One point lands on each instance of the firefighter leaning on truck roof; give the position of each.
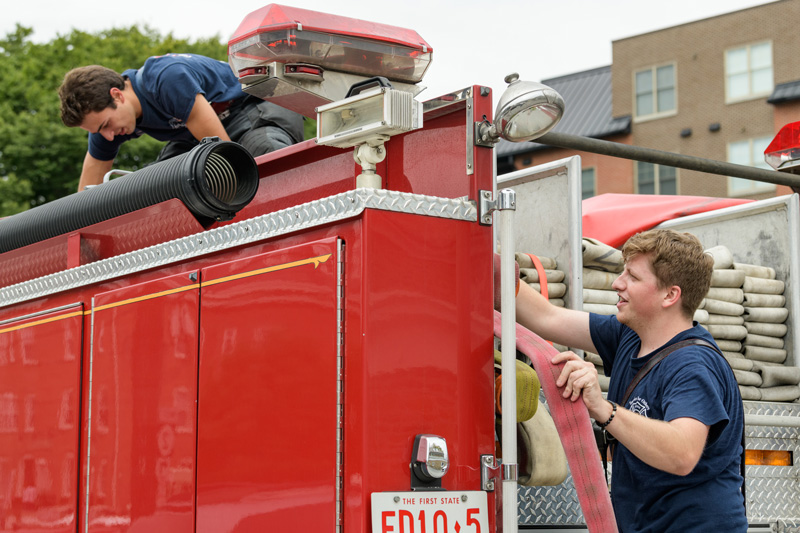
(180, 98)
(678, 454)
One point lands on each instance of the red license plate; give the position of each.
(430, 512)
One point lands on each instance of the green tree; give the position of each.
(40, 158)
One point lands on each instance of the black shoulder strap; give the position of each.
(657, 359)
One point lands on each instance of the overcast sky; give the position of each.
(473, 41)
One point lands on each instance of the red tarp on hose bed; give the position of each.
(613, 218)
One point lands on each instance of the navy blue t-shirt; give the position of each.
(166, 87)
(694, 382)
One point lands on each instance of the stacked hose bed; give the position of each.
(744, 311)
(746, 315)
(553, 284)
(602, 264)
(214, 180)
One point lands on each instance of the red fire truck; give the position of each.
(301, 342)
(262, 345)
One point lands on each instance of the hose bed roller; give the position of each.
(214, 180)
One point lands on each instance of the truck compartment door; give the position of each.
(40, 362)
(268, 435)
(141, 405)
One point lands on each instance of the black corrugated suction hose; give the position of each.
(214, 180)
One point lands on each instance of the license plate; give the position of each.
(430, 512)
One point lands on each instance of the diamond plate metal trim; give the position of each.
(317, 213)
(771, 493)
(555, 506)
(770, 434)
(789, 525)
(772, 490)
(771, 408)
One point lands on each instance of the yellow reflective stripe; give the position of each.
(145, 297)
(316, 261)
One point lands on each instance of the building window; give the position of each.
(656, 179)
(587, 183)
(748, 72)
(655, 91)
(749, 152)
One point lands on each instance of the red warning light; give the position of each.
(784, 150)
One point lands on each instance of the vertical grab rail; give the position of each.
(506, 204)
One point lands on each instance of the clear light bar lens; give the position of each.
(347, 54)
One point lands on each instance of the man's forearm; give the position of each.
(557, 324)
(203, 121)
(93, 171)
(674, 447)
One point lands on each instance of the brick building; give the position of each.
(718, 88)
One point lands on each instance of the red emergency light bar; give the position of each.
(293, 35)
(784, 150)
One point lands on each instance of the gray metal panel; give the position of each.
(765, 232)
(788, 526)
(317, 213)
(552, 506)
(547, 220)
(557, 529)
(779, 409)
(772, 491)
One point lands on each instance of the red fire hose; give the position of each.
(574, 429)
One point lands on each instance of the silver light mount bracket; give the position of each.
(506, 199)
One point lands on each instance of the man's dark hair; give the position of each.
(86, 90)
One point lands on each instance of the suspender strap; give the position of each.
(657, 359)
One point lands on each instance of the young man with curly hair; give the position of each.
(676, 464)
(180, 98)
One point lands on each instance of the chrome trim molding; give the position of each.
(87, 499)
(42, 313)
(340, 288)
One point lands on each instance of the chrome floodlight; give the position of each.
(526, 111)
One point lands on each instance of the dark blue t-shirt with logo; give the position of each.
(166, 87)
(694, 382)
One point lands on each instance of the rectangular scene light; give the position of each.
(369, 117)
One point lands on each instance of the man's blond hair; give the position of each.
(676, 259)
